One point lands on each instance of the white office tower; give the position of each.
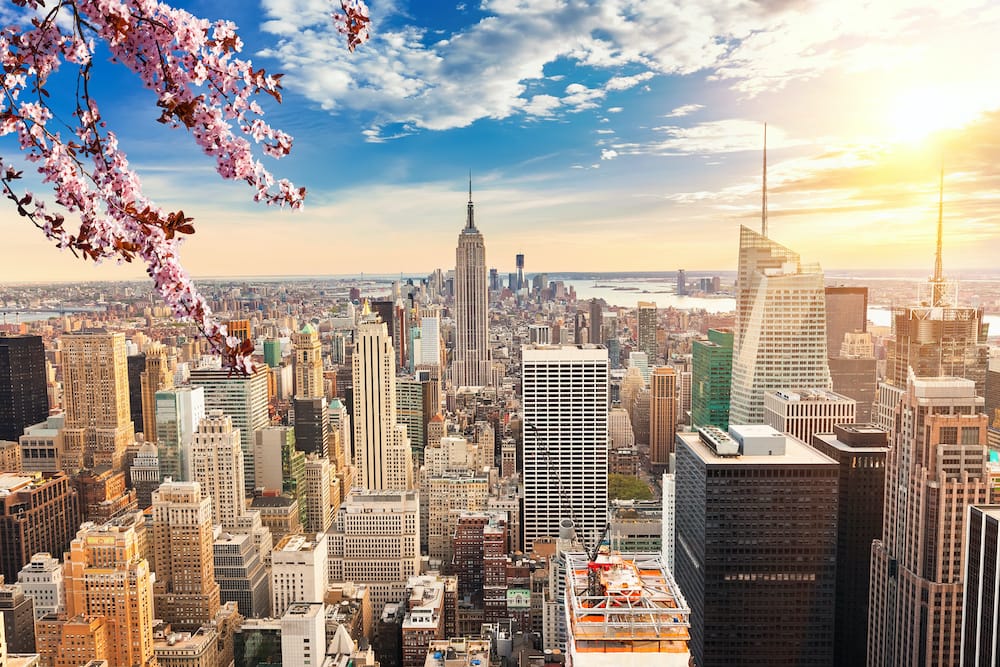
(780, 337)
(319, 474)
(565, 436)
(472, 366)
(178, 413)
(303, 634)
(381, 446)
(298, 571)
(669, 518)
(375, 540)
(42, 581)
(430, 337)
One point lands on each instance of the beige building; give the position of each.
(319, 513)
(803, 412)
(298, 571)
(308, 363)
(187, 594)
(184, 649)
(217, 465)
(157, 375)
(43, 448)
(447, 496)
(109, 583)
(662, 415)
(95, 393)
(471, 366)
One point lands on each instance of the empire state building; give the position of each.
(471, 365)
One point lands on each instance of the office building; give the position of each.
(780, 337)
(375, 540)
(217, 467)
(472, 364)
(312, 425)
(756, 544)
(853, 372)
(106, 578)
(565, 440)
(187, 649)
(43, 448)
(279, 514)
(144, 474)
(178, 413)
(803, 412)
(156, 376)
(42, 581)
(381, 446)
(712, 379)
(308, 363)
(646, 325)
(186, 593)
(241, 397)
(298, 571)
(24, 398)
(136, 364)
(95, 385)
(240, 329)
(981, 608)
(644, 620)
(303, 634)
(241, 575)
(319, 474)
(860, 451)
(936, 466)
(17, 610)
(596, 322)
(37, 513)
(663, 406)
(846, 312)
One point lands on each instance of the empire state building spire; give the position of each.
(472, 365)
(470, 222)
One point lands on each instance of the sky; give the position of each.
(601, 135)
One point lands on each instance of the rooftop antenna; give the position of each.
(469, 221)
(763, 191)
(937, 282)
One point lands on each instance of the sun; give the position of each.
(917, 113)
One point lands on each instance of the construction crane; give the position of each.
(594, 568)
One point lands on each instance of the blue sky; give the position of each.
(601, 135)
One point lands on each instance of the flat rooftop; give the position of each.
(796, 453)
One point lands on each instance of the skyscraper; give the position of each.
(24, 399)
(756, 544)
(981, 610)
(565, 436)
(156, 375)
(596, 322)
(780, 337)
(186, 593)
(36, 514)
(936, 466)
(178, 413)
(106, 577)
(381, 446)
(95, 393)
(846, 312)
(217, 466)
(646, 330)
(662, 415)
(472, 365)
(242, 397)
(308, 363)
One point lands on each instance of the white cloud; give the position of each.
(541, 105)
(684, 110)
(721, 136)
(615, 109)
(626, 82)
(609, 154)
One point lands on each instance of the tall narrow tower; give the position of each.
(155, 377)
(471, 366)
(381, 446)
(308, 363)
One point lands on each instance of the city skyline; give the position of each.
(647, 133)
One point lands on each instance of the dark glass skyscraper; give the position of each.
(23, 397)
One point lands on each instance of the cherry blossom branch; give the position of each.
(200, 83)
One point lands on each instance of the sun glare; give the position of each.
(919, 112)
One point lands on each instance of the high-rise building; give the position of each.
(662, 415)
(178, 413)
(780, 337)
(303, 634)
(644, 620)
(272, 352)
(565, 436)
(366, 524)
(596, 322)
(17, 612)
(156, 376)
(242, 397)
(681, 289)
(319, 473)
(186, 593)
(756, 544)
(312, 425)
(415, 405)
(646, 325)
(240, 329)
(935, 467)
(144, 474)
(24, 398)
(217, 466)
(42, 581)
(860, 451)
(241, 575)
(308, 363)
(802, 412)
(381, 446)
(106, 577)
(472, 365)
(298, 570)
(846, 312)
(981, 608)
(854, 372)
(96, 397)
(36, 514)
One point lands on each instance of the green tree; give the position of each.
(625, 487)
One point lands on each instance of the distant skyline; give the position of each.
(600, 134)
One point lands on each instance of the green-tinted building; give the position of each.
(272, 352)
(293, 473)
(711, 379)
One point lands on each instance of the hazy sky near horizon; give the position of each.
(601, 135)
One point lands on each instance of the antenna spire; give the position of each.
(470, 222)
(937, 282)
(763, 191)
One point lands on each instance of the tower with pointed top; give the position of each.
(471, 365)
(308, 363)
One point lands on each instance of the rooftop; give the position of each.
(796, 453)
(808, 395)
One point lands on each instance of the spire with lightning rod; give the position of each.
(763, 191)
(469, 221)
(938, 282)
